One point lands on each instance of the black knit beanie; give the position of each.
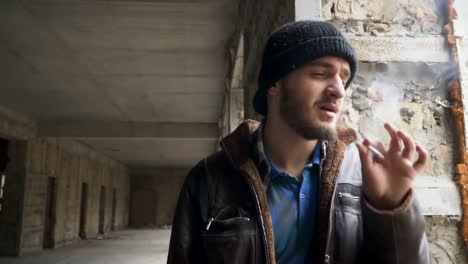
(295, 44)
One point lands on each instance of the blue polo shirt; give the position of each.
(293, 206)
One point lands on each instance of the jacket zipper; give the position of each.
(330, 227)
(212, 219)
(209, 223)
(348, 195)
(330, 216)
(262, 221)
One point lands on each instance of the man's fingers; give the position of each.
(395, 145)
(363, 150)
(408, 143)
(422, 159)
(377, 149)
(380, 147)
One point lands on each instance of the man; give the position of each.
(296, 188)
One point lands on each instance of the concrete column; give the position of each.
(234, 94)
(257, 29)
(308, 9)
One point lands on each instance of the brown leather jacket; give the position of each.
(222, 215)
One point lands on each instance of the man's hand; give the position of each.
(387, 180)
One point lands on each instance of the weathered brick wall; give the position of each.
(47, 158)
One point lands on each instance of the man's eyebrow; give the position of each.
(328, 65)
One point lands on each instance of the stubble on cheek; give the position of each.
(305, 119)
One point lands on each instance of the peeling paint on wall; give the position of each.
(445, 242)
(389, 18)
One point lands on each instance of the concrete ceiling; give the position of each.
(144, 64)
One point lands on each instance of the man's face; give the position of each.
(311, 97)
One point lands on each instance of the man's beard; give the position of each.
(295, 114)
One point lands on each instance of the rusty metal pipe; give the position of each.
(455, 89)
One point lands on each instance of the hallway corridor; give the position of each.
(142, 246)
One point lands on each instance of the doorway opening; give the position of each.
(49, 219)
(102, 210)
(83, 210)
(114, 208)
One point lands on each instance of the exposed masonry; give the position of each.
(389, 18)
(416, 102)
(445, 241)
(415, 97)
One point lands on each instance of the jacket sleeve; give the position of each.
(186, 245)
(396, 236)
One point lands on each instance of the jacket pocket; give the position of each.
(348, 222)
(230, 237)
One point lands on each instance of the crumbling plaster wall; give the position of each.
(413, 96)
(390, 18)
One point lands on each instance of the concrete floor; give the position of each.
(127, 246)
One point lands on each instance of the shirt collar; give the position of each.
(315, 160)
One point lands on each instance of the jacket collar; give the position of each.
(238, 145)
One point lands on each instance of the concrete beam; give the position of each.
(438, 195)
(16, 126)
(118, 129)
(308, 9)
(401, 49)
(78, 148)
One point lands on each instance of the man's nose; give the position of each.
(336, 87)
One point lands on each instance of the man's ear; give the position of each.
(275, 89)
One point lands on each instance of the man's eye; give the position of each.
(344, 80)
(318, 74)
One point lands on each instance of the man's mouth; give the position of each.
(329, 108)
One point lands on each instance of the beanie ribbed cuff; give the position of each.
(303, 53)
